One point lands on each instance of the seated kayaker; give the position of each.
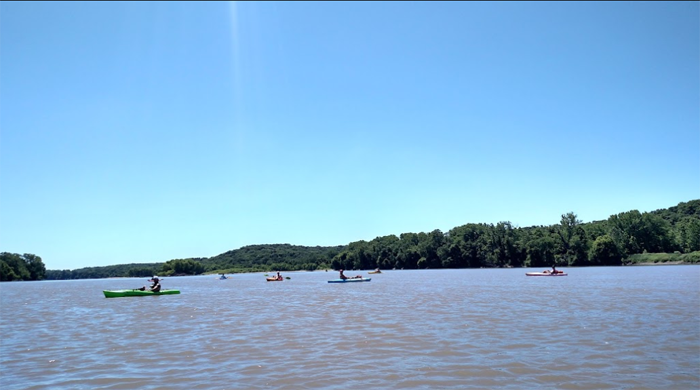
(342, 276)
(155, 286)
(279, 277)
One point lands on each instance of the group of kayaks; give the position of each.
(357, 279)
(145, 292)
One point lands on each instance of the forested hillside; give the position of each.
(569, 243)
(623, 238)
(182, 267)
(283, 257)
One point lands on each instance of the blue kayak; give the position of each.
(350, 280)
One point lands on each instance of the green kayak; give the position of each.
(136, 293)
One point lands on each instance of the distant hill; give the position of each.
(273, 257)
(252, 258)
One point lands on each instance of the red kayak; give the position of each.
(545, 274)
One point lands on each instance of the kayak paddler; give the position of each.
(155, 286)
(342, 276)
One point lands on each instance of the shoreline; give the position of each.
(663, 263)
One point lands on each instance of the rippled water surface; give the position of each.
(598, 328)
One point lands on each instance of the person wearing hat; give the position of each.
(155, 287)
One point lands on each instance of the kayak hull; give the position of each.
(351, 280)
(136, 293)
(544, 274)
(274, 280)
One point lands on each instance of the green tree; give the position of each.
(469, 245)
(573, 243)
(409, 251)
(541, 249)
(688, 234)
(384, 250)
(429, 248)
(635, 232)
(604, 252)
(182, 267)
(35, 266)
(16, 263)
(7, 274)
(503, 246)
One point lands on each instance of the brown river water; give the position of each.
(597, 328)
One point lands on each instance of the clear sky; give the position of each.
(138, 132)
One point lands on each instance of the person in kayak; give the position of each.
(279, 277)
(155, 286)
(342, 276)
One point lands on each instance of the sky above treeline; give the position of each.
(134, 132)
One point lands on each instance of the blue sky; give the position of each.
(142, 132)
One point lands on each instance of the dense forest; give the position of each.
(630, 237)
(614, 241)
(14, 266)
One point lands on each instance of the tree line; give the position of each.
(623, 238)
(253, 258)
(176, 267)
(569, 243)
